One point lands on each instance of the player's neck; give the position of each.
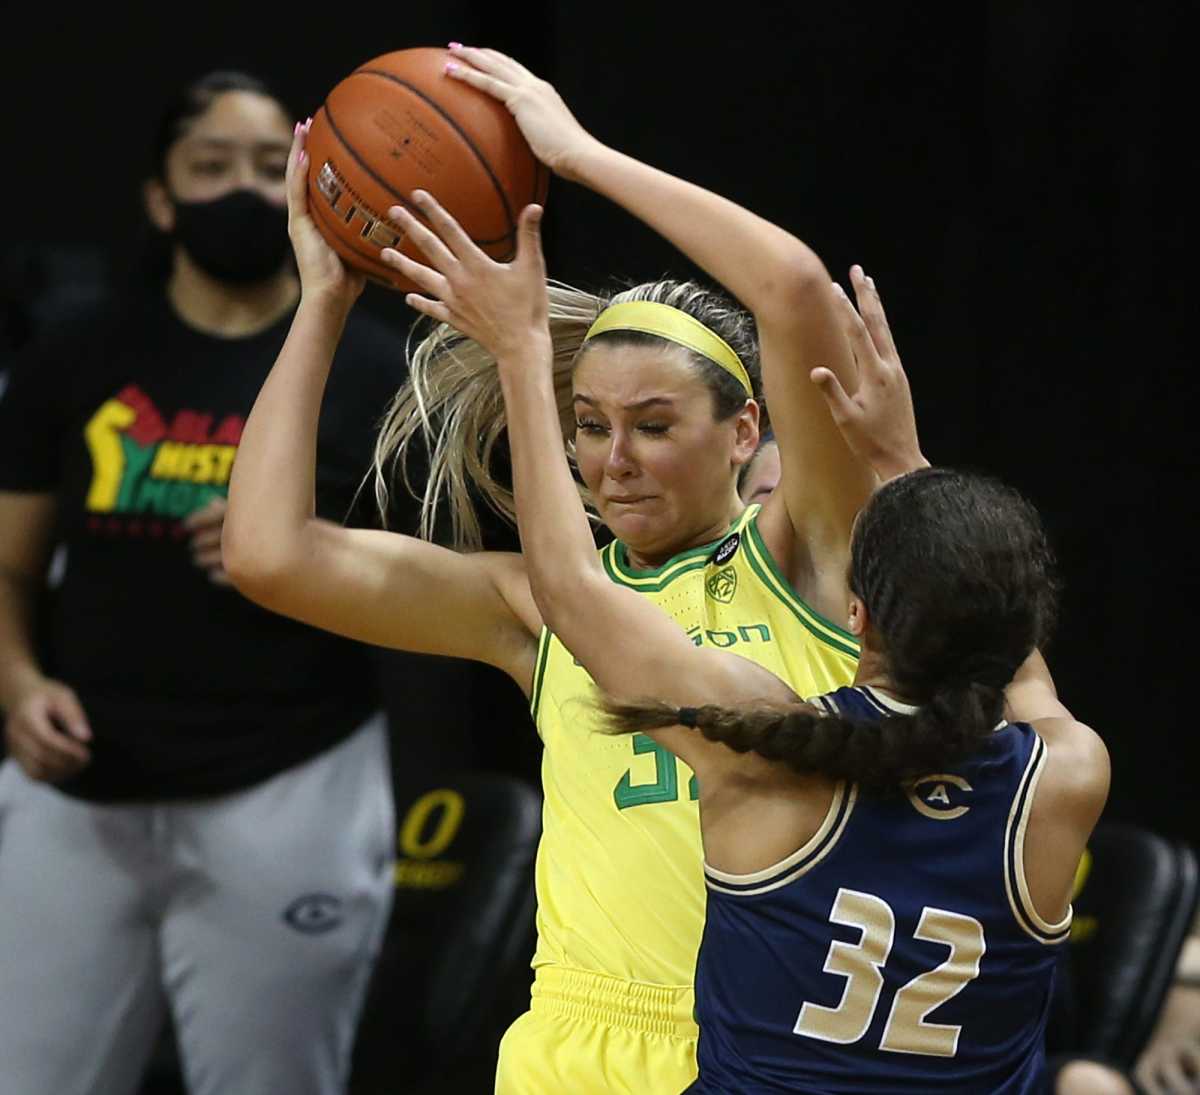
(874, 673)
(229, 311)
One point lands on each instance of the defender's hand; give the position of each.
(877, 422)
(502, 306)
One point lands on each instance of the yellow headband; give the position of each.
(670, 323)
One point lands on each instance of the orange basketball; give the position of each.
(398, 123)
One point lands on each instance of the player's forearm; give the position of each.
(556, 539)
(19, 667)
(758, 262)
(784, 283)
(272, 488)
(1032, 694)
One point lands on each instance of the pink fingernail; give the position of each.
(456, 45)
(451, 66)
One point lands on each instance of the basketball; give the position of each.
(398, 123)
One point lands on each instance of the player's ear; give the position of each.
(857, 621)
(159, 207)
(746, 435)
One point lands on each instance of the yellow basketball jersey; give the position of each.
(620, 883)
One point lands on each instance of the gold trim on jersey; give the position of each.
(1015, 884)
(800, 862)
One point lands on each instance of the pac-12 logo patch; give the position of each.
(722, 585)
(727, 549)
(314, 913)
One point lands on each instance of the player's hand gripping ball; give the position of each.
(397, 124)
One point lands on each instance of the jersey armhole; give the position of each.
(800, 862)
(539, 673)
(763, 564)
(1015, 884)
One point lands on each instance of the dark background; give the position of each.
(1012, 174)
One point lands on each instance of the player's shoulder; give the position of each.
(1071, 738)
(1077, 770)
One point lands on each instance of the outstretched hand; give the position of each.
(321, 270)
(877, 421)
(502, 306)
(547, 124)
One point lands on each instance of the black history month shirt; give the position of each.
(132, 420)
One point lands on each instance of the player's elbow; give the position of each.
(796, 276)
(257, 571)
(563, 597)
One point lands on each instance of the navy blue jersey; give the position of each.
(897, 951)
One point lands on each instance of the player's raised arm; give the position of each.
(775, 275)
(378, 587)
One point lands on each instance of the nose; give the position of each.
(620, 463)
(245, 177)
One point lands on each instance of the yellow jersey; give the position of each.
(620, 881)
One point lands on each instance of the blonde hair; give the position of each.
(452, 400)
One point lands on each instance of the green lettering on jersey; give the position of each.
(665, 787)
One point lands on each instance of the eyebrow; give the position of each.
(641, 404)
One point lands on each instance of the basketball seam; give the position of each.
(350, 150)
(508, 213)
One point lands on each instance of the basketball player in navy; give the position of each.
(889, 865)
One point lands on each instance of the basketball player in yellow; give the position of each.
(657, 391)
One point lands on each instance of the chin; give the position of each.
(643, 534)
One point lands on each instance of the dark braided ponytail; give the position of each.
(957, 578)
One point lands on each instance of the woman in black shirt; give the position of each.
(197, 807)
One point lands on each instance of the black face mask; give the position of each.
(240, 238)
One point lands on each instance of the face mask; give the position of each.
(240, 238)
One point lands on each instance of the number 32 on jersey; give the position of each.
(861, 963)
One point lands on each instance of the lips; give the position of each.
(629, 501)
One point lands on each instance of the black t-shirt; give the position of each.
(131, 419)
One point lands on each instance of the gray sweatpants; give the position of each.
(254, 916)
